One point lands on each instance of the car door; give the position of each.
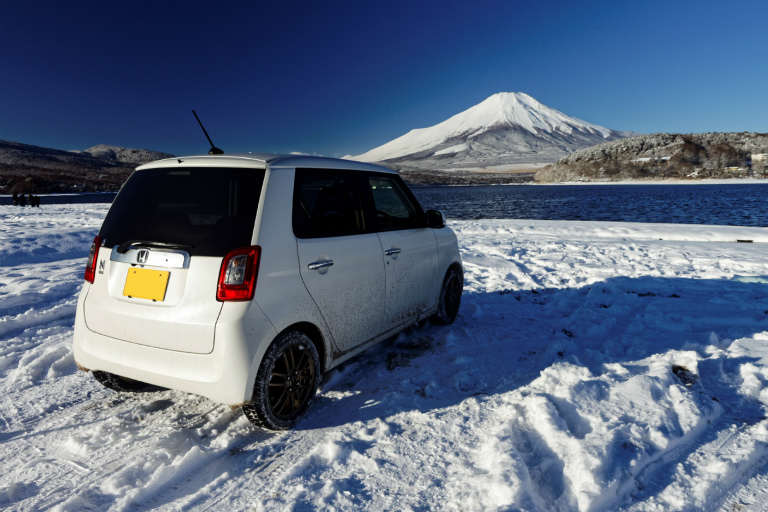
(341, 265)
(409, 248)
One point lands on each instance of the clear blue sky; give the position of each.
(342, 77)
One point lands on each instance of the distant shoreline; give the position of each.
(713, 181)
(671, 181)
(57, 194)
(729, 181)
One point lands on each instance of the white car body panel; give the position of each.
(349, 293)
(411, 275)
(224, 375)
(184, 321)
(279, 268)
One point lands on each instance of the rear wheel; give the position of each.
(286, 383)
(449, 300)
(117, 383)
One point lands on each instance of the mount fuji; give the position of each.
(507, 128)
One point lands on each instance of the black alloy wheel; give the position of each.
(286, 383)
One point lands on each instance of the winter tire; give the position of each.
(449, 301)
(286, 383)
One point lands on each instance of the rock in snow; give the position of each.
(593, 366)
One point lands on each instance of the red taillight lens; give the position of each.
(237, 277)
(90, 265)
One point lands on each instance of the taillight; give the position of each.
(90, 265)
(237, 277)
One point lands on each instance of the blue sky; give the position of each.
(342, 77)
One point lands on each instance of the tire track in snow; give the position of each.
(60, 314)
(93, 445)
(266, 459)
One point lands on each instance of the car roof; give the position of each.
(262, 160)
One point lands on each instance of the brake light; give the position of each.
(237, 277)
(90, 265)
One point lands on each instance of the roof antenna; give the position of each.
(214, 150)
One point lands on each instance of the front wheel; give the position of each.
(449, 301)
(286, 383)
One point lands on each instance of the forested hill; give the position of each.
(25, 168)
(664, 155)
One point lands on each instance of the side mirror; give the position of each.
(435, 219)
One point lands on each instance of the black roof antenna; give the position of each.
(214, 150)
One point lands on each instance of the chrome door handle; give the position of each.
(390, 252)
(317, 265)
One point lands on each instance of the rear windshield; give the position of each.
(206, 211)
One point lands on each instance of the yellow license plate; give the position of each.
(143, 283)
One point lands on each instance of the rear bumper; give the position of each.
(225, 375)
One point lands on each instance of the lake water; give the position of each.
(720, 204)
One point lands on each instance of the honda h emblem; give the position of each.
(142, 256)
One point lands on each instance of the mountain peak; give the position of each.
(504, 112)
(520, 109)
(512, 98)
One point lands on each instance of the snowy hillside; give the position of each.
(593, 367)
(18, 155)
(126, 155)
(506, 128)
(25, 168)
(664, 156)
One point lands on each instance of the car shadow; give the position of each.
(503, 340)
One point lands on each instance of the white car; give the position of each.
(242, 278)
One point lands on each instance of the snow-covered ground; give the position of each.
(593, 366)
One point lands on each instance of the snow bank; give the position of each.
(593, 366)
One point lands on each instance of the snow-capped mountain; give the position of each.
(507, 128)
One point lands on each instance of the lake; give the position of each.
(720, 204)
(742, 204)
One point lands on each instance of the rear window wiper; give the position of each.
(123, 248)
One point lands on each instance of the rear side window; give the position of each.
(326, 202)
(207, 210)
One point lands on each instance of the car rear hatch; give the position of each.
(163, 241)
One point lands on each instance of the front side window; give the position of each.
(326, 202)
(395, 209)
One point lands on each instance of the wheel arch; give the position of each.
(297, 379)
(442, 315)
(313, 333)
(455, 265)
